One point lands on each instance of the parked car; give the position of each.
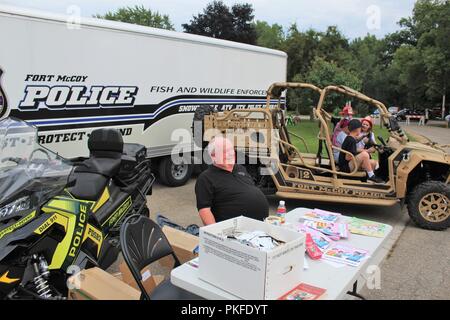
(435, 113)
(375, 114)
(393, 110)
(401, 115)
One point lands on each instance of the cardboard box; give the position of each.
(97, 284)
(149, 281)
(248, 272)
(184, 245)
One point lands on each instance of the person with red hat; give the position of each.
(367, 137)
(340, 138)
(347, 112)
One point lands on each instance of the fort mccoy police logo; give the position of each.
(3, 103)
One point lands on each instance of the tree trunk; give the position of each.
(443, 106)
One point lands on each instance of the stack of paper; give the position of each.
(321, 240)
(367, 228)
(256, 239)
(334, 230)
(322, 215)
(344, 254)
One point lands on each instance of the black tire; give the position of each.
(436, 195)
(168, 173)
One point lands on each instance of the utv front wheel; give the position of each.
(429, 205)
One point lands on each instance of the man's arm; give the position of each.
(204, 194)
(207, 216)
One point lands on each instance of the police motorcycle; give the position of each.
(59, 216)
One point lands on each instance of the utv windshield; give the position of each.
(26, 166)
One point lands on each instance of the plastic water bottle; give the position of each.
(281, 211)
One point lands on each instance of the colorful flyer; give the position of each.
(344, 254)
(333, 230)
(304, 292)
(322, 215)
(367, 228)
(321, 240)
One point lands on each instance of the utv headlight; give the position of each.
(15, 206)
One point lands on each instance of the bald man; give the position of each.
(225, 190)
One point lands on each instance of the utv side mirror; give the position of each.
(393, 123)
(277, 92)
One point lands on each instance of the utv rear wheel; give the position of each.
(429, 205)
(172, 174)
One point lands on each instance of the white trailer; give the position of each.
(68, 79)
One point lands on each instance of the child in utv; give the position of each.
(363, 160)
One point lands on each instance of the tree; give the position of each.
(432, 23)
(139, 15)
(323, 73)
(409, 67)
(302, 48)
(269, 36)
(428, 31)
(218, 21)
(333, 46)
(368, 61)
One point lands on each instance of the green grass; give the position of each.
(309, 130)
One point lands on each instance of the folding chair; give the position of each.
(143, 243)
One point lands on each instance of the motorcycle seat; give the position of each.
(88, 185)
(92, 176)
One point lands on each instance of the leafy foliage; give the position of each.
(139, 15)
(220, 21)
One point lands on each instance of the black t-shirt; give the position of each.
(230, 194)
(349, 145)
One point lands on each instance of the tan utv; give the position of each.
(415, 173)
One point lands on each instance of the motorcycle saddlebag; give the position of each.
(133, 155)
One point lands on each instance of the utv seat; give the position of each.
(106, 148)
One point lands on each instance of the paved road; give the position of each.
(436, 131)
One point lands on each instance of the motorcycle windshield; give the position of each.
(25, 165)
